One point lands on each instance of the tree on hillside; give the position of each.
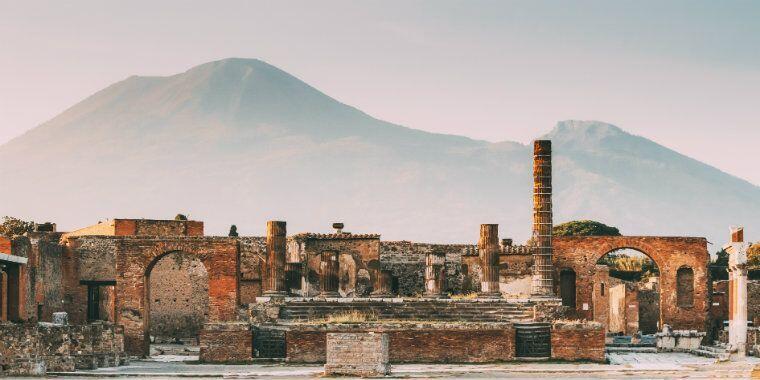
(584, 228)
(14, 226)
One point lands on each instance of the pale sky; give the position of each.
(685, 74)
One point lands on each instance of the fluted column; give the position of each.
(435, 274)
(488, 252)
(382, 284)
(276, 249)
(543, 270)
(328, 276)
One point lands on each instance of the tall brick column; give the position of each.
(276, 250)
(435, 274)
(382, 285)
(488, 252)
(542, 219)
(328, 276)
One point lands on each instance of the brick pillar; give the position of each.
(328, 276)
(600, 303)
(542, 219)
(488, 252)
(435, 274)
(3, 296)
(382, 285)
(276, 244)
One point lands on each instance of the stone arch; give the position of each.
(669, 253)
(136, 256)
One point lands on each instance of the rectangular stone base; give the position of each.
(226, 342)
(357, 354)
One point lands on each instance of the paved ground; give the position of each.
(628, 366)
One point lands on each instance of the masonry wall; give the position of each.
(357, 354)
(471, 343)
(355, 255)
(226, 343)
(252, 267)
(406, 261)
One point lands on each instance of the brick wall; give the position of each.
(226, 342)
(357, 354)
(453, 343)
(575, 341)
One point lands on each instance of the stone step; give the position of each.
(630, 349)
(721, 356)
(719, 350)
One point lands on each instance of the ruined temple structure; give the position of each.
(279, 296)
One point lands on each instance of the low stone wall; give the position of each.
(413, 342)
(357, 354)
(226, 342)
(575, 341)
(35, 349)
(679, 340)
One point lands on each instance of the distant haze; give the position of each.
(682, 73)
(239, 141)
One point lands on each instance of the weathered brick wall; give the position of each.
(575, 341)
(719, 312)
(357, 354)
(149, 227)
(178, 297)
(581, 254)
(226, 342)
(452, 343)
(48, 287)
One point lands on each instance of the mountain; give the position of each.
(239, 141)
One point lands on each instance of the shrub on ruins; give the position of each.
(13, 226)
(584, 228)
(180, 217)
(233, 231)
(753, 256)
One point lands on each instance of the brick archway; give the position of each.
(136, 256)
(581, 254)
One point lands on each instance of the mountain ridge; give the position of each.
(241, 141)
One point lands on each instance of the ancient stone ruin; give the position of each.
(127, 284)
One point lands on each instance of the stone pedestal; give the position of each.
(737, 293)
(357, 354)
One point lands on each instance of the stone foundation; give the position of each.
(226, 342)
(357, 354)
(679, 340)
(575, 341)
(35, 349)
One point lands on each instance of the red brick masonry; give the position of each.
(575, 341)
(414, 343)
(226, 342)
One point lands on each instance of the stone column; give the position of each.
(543, 270)
(382, 285)
(276, 251)
(435, 274)
(737, 293)
(488, 252)
(328, 276)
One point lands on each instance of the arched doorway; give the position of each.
(631, 292)
(177, 303)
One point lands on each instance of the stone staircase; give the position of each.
(716, 352)
(417, 310)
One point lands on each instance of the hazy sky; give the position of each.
(683, 73)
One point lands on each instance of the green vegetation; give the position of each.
(584, 228)
(630, 266)
(13, 226)
(753, 256)
(233, 231)
(180, 217)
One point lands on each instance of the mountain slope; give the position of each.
(240, 141)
